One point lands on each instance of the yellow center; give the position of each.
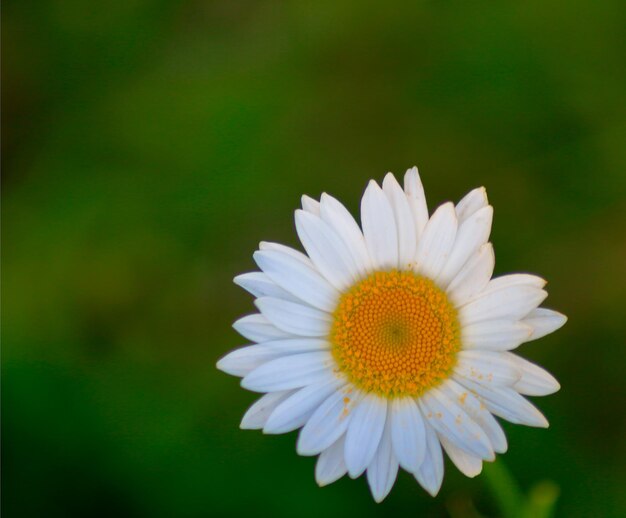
(395, 333)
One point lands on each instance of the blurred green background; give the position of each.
(149, 145)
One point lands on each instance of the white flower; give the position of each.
(385, 344)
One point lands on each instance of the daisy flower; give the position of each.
(389, 342)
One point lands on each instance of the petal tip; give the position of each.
(389, 178)
(305, 450)
(431, 489)
(238, 279)
(371, 186)
(236, 326)
(245, 425)
(260, 302)
(378, 498)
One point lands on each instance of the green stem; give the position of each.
(504, 488)
(541, 500)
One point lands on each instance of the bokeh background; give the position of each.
(149, 145)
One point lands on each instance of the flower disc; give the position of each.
(396, 334)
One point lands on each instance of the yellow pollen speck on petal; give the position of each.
(395, 334)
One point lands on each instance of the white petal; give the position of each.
(328, 422)
(471, 235)
(297, 345)
(331, 465)
(339, 218)
(266, 245)
(327, 250)
(383, 470)
(259, 329)
(478, 412)
(290, 372)
(295, 411)
(535, 381)
(294, 318)
(407, 433)
(260, 285)
(379, 228)
(430, 473)
(405, 223)
(298, 279)
(495, 335)
(417, 200)
(245, 359)
(509, 303)
(544, 321)
(473, 201)
(310, 205)
(364, 433)
(473, 276)
(257, 414)
(435, 245)
(507, 403)
(487, 367)
(515, 279)
(445, 416)
(467, 464)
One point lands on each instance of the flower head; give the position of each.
(386, 342)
